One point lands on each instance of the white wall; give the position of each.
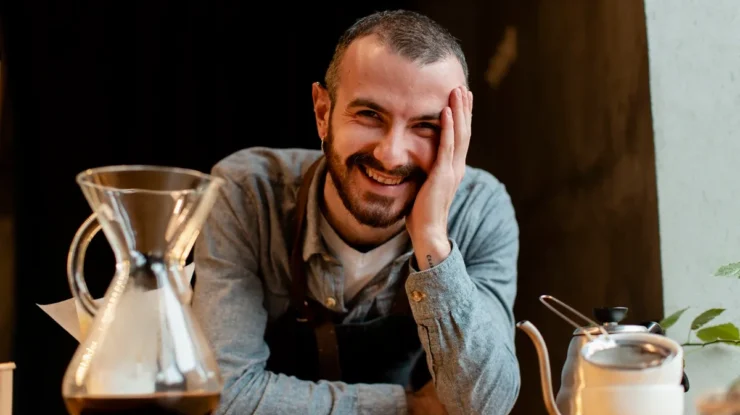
(694, 52)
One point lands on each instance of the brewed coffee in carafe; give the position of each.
(144, 352)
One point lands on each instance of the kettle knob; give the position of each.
(610, 314)
(653, 327)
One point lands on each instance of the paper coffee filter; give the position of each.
(70, 315)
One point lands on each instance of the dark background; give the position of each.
(568, 130)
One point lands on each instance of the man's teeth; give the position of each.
(381, 179)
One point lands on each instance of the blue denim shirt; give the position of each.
(464, 315)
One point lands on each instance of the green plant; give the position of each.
(727, 333)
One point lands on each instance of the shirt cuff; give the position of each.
(439, 290)
(381, 399)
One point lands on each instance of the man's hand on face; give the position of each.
(425, 401)
(427, 222)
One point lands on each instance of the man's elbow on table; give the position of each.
(242, 395)
(505, 389)
(497, 394)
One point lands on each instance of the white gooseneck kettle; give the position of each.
(612, 368)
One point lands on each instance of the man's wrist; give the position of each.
(431, 248)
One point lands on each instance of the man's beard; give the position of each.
(369, 209)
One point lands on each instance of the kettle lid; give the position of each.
(609, 318)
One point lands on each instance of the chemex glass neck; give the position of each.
(149, 213)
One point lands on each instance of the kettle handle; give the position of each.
(685, 382)
(543, 299)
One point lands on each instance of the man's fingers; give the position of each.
(470, 111)
(446, 138)
(462, 131)
(466, 105)
(468, 119)
(459, 115)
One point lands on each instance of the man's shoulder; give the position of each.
(480, 184)
(273, 166)
(481, 201)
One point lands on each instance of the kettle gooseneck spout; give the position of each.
(544, 362)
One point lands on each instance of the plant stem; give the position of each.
(737, 342)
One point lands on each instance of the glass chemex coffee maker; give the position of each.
(144, 352)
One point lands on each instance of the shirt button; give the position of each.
(330, 302)
(417, 296)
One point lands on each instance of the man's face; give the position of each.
(383, 129)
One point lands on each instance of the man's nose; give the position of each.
(392, 150)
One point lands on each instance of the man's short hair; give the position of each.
(407, 33)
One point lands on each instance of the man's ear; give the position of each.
(321, 108)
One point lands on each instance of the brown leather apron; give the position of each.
(313, 343)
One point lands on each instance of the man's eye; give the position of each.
(368, 113)
(430, 126)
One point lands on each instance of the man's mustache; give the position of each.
(410, 171)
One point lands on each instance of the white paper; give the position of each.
(70, 315)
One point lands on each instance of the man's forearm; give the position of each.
(262, 392)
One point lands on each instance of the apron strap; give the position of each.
(319, 317)
(401, 304)
(299, 285)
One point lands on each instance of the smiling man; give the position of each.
(379, 275)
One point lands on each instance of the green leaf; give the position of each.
(727, 331)
(672, 319)
(706, 317)
(729, 270)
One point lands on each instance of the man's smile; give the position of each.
(382, 178)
